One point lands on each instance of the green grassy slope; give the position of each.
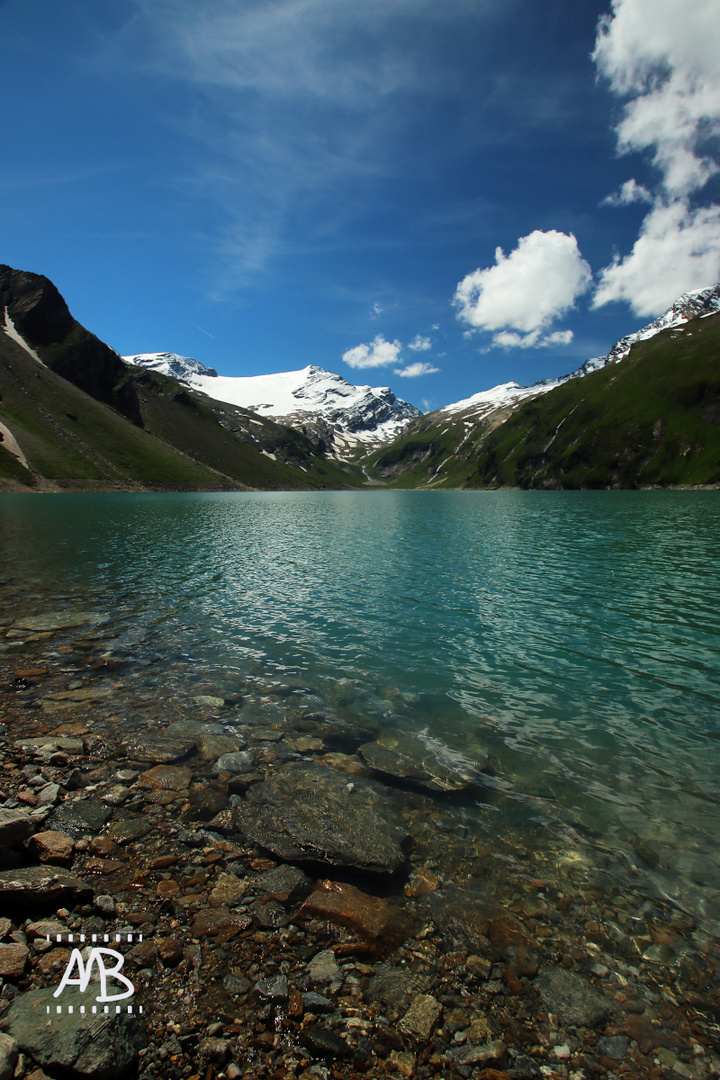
(652, 419)
(72, 440)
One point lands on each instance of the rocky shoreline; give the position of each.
(309, 902)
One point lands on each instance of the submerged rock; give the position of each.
(310, 813)
(405, 757)
(102, 1046)
(571, 996)
(41, 884)
(376, 921)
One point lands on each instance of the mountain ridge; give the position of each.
(342, 417)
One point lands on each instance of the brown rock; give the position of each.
(144, 953)
(479, 1030)
(172, 777)
(51, 847)
(402, 1063)
(12, 961)
(167, 890)
(295, 1004)
(219, 923)
(102, 845)
(373, 919)
(170, 951)
(162, 862)
(506, 932)
(493, 1074)
(228, 890)
(421, 1017)
(421, 881)
(55, 960)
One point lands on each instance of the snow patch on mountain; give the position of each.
(691, 305)
(316, 400)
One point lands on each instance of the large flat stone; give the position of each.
(312, 814)
(104, 1047)
(41, 885)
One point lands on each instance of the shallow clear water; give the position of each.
(566, 643)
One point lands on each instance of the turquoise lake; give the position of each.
(562, 648)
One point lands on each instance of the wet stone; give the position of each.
(53, 848)
(279, 883)
(422, 1017)
(270, 915)
(571, 996)
(144, 747)
(104, 1047)
(42, 885)
(236, 984)
(166, 777)
(190, 729)
(373, 919)
(9, 1051)
(210, 746)
(124, 832)
(228, 890)
(325, 1043)
(310, 813)
(324, 969)
(81, 816)
(613, 1047)
(405, 757)
(13, 959)
(15, 826)
(275, 988)
(240, 761)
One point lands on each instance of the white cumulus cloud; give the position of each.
(412, 371)
(678, 250)
(661, 57)
(420, 344)
(379, 353)
(526, 290)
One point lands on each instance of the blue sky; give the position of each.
(436, 195)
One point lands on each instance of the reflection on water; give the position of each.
(565, 642)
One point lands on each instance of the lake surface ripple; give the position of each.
(562, 648)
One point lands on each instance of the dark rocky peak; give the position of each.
(42, 319)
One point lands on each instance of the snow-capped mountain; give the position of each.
(318, 402)
(507, 396)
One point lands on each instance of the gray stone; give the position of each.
(421, 1017)
(489, 1053)
(81, 816)
(42, 885)
(310, 813)
(236, 984)
(15, 826)
(9, 1051)
(281, 883)
(210, 747)
(59, 620)
(275, 987)
(314, 1002)
(324, 968)
(326, 1043)
(190, 729)
(47, 796)
(103, 1047)
(404, 757)
(157, 748)
(393, 986)
(106, 906)
(613, 1047)
(571, 996)
(240, 761)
